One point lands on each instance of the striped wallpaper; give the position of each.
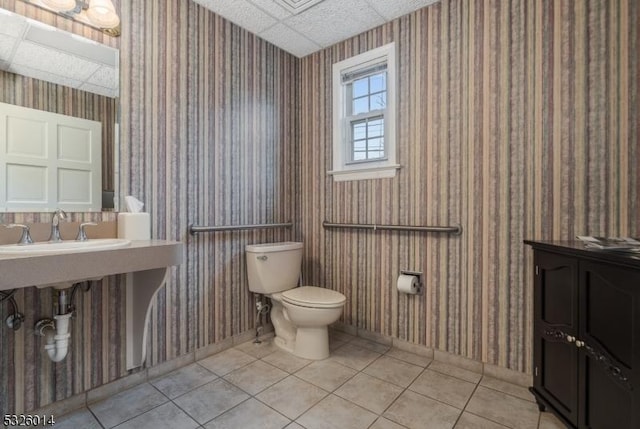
(207, 138)
(207, 131)
(517, 119)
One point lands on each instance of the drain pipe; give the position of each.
(57, 334)
(56, 330)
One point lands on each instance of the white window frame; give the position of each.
(343, 168)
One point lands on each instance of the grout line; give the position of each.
(492, 421)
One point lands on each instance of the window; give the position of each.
(364, 116)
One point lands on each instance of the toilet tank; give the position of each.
(273, 267)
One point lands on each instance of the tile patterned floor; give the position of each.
(362, 385)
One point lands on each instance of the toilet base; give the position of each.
(312, 343)
(282, 344)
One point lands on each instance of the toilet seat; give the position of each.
(313, 297)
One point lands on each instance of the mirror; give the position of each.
(48, 69)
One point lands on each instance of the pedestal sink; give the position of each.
(66, 246)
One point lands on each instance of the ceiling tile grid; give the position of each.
(241, 12)
(296, 44)
(302, 27)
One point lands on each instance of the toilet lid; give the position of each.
(312, 296)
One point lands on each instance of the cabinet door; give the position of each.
(556, 320)
(610, 334)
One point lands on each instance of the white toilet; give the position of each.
(300, 315)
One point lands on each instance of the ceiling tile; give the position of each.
(10, 25)
(394, 9)
(241, 12)
(335, 20)
(39, 74)
(105, 76)
(272, 8)
(42, 58)
(6, 47)
(290, 40)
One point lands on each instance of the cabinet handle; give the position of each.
(579, 343)
(570, 339)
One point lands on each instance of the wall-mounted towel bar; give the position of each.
(195, 229)
(446, 229)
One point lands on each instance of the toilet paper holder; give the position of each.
(417, 274)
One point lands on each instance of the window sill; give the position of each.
(382, 172)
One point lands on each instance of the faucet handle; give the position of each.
(25, 238)
(82, 235)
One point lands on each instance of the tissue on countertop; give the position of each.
(133, 204)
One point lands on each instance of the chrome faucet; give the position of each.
(55, 225)
(25, 238)
(82, 234)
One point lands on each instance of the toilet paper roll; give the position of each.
(134, 226)
(408, 284)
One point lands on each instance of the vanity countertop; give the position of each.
(18, 271)
(577, 248)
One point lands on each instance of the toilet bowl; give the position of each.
(300, 315)
(311, 310)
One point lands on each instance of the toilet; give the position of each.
(300, 315)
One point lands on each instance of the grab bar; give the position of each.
(445, 229)
(196, 229)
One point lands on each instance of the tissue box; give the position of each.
(134, 226)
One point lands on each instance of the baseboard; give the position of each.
(75, 402)
(490, 370)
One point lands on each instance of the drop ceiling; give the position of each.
(36, 50)
(302, 27)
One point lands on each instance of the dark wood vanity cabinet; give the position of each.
(587, 335)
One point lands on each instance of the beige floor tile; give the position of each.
(340, 336)
(471, 421)
(167, 416)
(383, 423)
(419, 412)
(394, 371)
(369, 392)
(505, 387)
(255, 377)
(78, 419)
(265, 348)
(286, 361)
(292, 396)
(294, 425)
(444, 388)
(326, 374)
(182, 380)
(503, 408)
(408, 357)
(371, 345)
(226, 361)
(454, 371)
(334, 344)
(128, 404)
(249, 414)
(549, 421)
(334, 412)
(354, 356)
(209, 401)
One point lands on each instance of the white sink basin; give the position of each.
(66, 246)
